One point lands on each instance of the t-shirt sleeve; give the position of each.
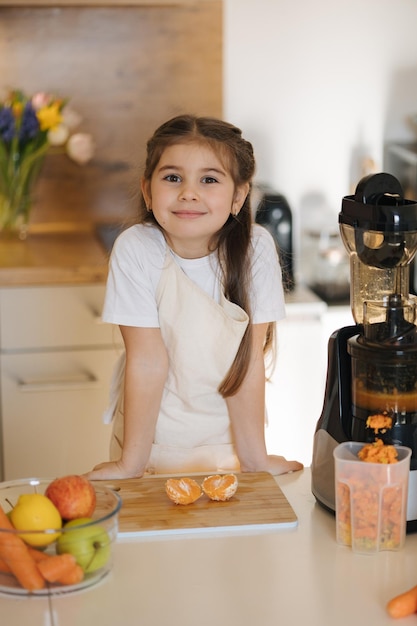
(268, 304)
(130, 291)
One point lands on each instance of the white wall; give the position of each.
(314, 83)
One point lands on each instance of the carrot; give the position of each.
(4, 568)
(73, 577)
(403, 604)
(38, 555)
(56, 566)
(15, 554)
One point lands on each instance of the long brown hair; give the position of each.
(233, 240)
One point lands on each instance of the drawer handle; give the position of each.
(96, 315)
(70, 383)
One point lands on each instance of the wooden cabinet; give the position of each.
(56, 361)
(100, 3)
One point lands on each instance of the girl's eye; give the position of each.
(172, 178)
(209, 180)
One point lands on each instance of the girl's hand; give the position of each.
(279, 465)
(111, 470)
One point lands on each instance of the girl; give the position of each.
(196, 289)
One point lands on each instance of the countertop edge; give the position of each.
(53, 259)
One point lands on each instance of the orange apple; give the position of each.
(74, 496)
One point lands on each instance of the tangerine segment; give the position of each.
(183, 490)
(220, 487)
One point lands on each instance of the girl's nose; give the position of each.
(188, 192)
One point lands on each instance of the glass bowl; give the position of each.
(88, 541)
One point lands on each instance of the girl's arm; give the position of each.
(145, 375)
(247, 415)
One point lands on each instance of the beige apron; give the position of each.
(193, 432)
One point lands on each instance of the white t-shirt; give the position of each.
(136, 263)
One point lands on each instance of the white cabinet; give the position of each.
(294, 397)
(56, 361)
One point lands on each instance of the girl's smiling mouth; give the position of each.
(188, 214)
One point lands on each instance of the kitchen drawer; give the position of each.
(53, 317)
(52, 406)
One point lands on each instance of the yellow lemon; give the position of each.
(35, 512)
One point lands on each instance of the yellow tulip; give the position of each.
(50, 116)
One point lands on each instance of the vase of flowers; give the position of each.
(29, 128)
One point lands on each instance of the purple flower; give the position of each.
(7, 123)
(30, 125)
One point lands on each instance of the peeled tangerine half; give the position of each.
(183, 490)
(220, 487)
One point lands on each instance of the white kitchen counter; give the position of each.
(302, 302)
(290, 577)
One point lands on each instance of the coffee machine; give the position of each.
(372, 365)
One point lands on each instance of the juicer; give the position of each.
(372, 365)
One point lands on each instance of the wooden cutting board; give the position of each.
(258, 505)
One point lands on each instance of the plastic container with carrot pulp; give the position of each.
(371, 500)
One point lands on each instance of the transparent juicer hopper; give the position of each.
(379, 265)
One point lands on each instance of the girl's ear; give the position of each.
(239, 198)
(145, 188)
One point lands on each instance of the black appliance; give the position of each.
(372, 365)
(272, 211)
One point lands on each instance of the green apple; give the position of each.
(90, 544)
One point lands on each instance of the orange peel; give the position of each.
(183, 490)
(220, 487)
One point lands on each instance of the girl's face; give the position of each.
(191, 195)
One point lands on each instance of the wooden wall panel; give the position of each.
(126, 70)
